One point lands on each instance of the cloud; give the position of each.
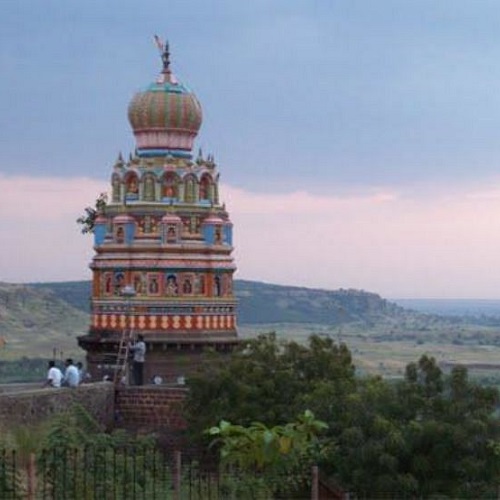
(425, 243)
(40, 238)
(419, 243)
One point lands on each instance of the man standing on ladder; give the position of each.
(139, 351)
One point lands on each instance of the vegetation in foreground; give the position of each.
(75, 459)
(429, 435)
(425, 436)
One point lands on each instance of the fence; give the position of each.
(121, 473)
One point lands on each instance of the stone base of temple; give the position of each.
(168, 360)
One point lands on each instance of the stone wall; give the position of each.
(151, 409)
(32, 406)
(148, 409)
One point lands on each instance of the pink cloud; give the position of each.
(41, 240)
(397, 243)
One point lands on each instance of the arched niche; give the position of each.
(170, 185)
(131, 185)
(206, 188)
(190, 185)
(116, 185)
(149, 187)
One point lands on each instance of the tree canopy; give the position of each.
(428, 434)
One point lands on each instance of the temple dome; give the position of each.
(166, 117)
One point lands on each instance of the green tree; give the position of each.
(87, 220)
(428, 434)
(266, 380)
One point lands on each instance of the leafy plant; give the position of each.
(87, 220)
(275, 459)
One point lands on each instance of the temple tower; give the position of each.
(163, 242)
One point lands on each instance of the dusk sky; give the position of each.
(358, 141)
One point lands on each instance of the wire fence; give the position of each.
(121, 473)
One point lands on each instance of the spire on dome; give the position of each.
(164, 54)
(165, 117)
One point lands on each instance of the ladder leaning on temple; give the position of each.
(121, 364)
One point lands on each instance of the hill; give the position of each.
(41, 318)
(35, 321)
(262, 303)
(38, 317)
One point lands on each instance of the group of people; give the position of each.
(73, 374)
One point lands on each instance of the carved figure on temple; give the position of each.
(108, 284)
(139, 281)
(171, 288)
(199, 284)
(148, 224)
(218, 236)
(194, 225)
(132, 185)
(171, 234)
(205, 188)
(170, 185)
(149, 188)
(120, 235)
(189, 194)
(217, 287)
(187, 287)
(153, 287)
(118, 281)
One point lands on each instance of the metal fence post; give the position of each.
(177, 474)
(31, 477)
(314, 483)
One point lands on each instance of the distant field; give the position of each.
(375, 355)
(452, 307)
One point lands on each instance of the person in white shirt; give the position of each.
(82, 373)
(54, 375)
(139, 350)
(71, 375)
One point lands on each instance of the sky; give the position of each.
(357, 140)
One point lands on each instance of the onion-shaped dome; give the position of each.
(166, 117)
